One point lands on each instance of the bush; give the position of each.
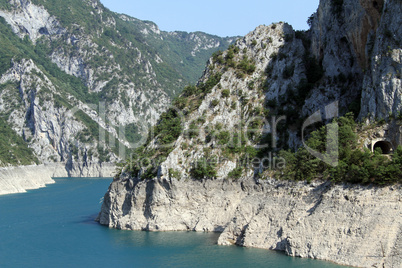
(223, 137)
(214, 102)
(210, 83)
(193, 130)
(274, 56)
(246, 65)
(169, 127)
(225, 93)
(355, 165)
(310, 20)
(235, 173)
(204, 169)
(217, 55)
(189, 91)
(173, 173)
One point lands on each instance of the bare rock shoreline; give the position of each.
(350, 225)
(22, 178)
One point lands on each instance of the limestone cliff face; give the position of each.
(362, 39)
(20, 179)
(74, 70)
(382, 86)
(273, 72)
(51, 129)
(351, 225)
(106, 50)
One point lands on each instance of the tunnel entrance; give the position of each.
(385, 146)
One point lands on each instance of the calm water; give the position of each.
(54, 227)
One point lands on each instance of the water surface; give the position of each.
(55, 227)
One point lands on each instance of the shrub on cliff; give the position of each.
(355, 165)
(204, 169)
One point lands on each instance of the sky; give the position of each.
(218, 17)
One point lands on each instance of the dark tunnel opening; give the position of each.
(385, 146)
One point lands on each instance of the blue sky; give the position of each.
(219, 17)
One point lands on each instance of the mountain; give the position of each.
(268, 147)
(116, 70)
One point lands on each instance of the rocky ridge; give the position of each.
(37, 114)
(76, 69)
(265, 86)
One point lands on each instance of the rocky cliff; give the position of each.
(79, 82)
(207, 165)
(351, 225)
(20, 179)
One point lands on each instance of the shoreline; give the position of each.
(341, 223)
(19, 179)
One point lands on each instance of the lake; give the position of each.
(55, 227)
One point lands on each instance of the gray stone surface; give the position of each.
(20, 179)
(351, 225)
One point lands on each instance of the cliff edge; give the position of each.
(255, 99)
(351, 225)
(20, 179)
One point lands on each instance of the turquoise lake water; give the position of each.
(54, 227)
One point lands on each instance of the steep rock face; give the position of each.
(336, 223)
(35, 111)
(341, 31)
(243, 106)
(20, 179)
(238, 106)
(361, 41)
(29, 19)
(129, 72)
(105, 51)
(382, 86)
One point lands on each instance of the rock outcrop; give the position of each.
(20, 179)
(50, 128)
(382, 86)
(274, 74)
(351, 225)
(80, 74)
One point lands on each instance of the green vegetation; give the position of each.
(225, 93)
(13, 149)
(192, 96)
(236, 173)
(204, 169)
(103, 154)
(131, 133)
(214, 102)
(193, 131)
(223, 137)
(355, 164)
(246, 65)
(169, 127)
(173, 173)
